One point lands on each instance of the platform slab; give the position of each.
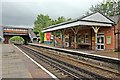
(16, 65)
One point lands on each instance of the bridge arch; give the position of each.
(16, 40)
(7, 38)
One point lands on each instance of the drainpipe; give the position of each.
(118, 41)
(114, 39)
(91, 38)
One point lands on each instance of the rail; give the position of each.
(74, 71)
(83, 54)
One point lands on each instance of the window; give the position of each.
(82, 38)
(86, 38)
(79, 38)
(73, 38)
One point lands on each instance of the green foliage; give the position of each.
(41, 37)
(60, 20)
(17, 40)
(69, 19)
(109, 8)
(41, 22)
(36, 32)
(44, 21)
(57, 34)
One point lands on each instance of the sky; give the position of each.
(23, 13)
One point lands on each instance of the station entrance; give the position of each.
(100, 42)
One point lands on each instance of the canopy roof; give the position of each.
(94, 19)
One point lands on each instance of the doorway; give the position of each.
(100, 42)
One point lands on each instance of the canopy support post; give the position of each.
(62, 37)
(54, 44)
(96, 31)
(75, 30)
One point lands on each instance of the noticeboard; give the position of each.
(108, 39)
(47, 36)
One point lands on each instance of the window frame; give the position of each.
(86, 38)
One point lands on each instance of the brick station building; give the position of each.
(117, 31)
(95, 31)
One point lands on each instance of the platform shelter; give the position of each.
(94, 31)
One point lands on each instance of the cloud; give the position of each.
(24, 12)
(16, 14)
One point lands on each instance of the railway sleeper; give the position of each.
(76, 68)
(90, 60)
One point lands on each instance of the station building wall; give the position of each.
(117, 35)
(107, 31)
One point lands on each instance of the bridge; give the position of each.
(25, 33)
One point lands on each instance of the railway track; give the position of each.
(53, 66)
(69, 67)
(111, 63)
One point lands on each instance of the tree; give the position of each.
(17, 40)
(41, 36)
(44, 21)
(69, 19)
(36, 31)
(109, 8)
(41, 22)
(60, 20)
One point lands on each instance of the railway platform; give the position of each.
(108, 54)
(105, 63)
(16, 65)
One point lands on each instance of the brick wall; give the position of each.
(108, 31)
(117, 31)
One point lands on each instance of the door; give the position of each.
(100, 42)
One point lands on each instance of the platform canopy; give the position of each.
(94, 19)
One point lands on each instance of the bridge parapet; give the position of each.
(26, 33)
(14, 31)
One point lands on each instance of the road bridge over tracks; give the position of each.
(25, 33)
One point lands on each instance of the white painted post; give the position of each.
(96, 31)
(75, 41)
(96, 41)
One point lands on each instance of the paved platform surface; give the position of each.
(111, 54)
(16, 65)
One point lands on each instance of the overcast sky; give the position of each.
(23, 13)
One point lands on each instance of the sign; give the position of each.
(47, 37)
(108, 39)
